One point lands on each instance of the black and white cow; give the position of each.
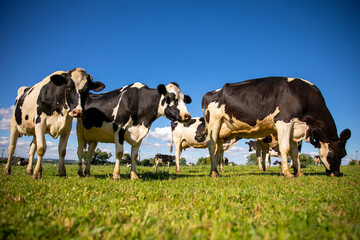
(268, 147)
(126, 114)
(49, 107)
(184, 135)
(292, 108)
(162, 159)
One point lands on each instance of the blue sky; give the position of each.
(200, 44)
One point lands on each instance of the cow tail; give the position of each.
(171, 143)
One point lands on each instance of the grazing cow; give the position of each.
(184, 135)
(292, 108)
(49, 107)
(191, 164)
(161, 159)
(267, 147)
(126, 114)
(317, 160)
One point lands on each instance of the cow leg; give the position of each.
(134, 155)
(90, 153)
(263, 158)
(295, 157)
(213, 146)
(258, 157)
(178, 151)
(284, 132)
(119, 151)
(221, 159)
(32, 150)
(62, 152)
(267, 156)
(14, 135)
(41, 149)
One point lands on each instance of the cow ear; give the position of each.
(97, 86)
(162, 89)
(187, 99)
(345, 135)
(58, 80)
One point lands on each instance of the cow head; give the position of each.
(77, 84)
(331, 153)
(172, 103)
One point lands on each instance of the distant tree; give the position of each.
(251, 159)
(306, 159)
(182, 162)
(99, 157)
(145, 162)
(353, 162)
(126, 159)
(203, 161)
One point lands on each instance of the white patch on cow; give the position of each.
(116, 109)
(299, 130)
(135, 134)
(232, 126)
(104, 134)
(323, 152)
(292, 79)
(138, 85)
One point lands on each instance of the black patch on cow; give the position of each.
(174, 83)
(121, 136)
(201, 133)
(115, 127)
(19, 104)
(191, 122)
(51, 99)
(173, 125)
(38, 119)
(140, 105)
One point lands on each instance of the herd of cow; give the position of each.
(287, 110)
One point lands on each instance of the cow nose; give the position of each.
(187, 117)
(76, 113)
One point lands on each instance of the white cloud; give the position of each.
(160, 133)
(5, 117)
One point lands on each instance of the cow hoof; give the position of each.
(7, 171)
(300, 174)
(116, 176)
(178, 171)
(87, 173)
(29, 171)
(134, 176)
(80, 174)
(214, 174)
(37, 175)
(288, 175)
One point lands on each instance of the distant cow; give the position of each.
(49, 107)
(184, 135)
(162, 159)
(268, 147)
(191, 164)
(292, 108)
(126, 114)
(317, 160)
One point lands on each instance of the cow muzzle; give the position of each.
(76, 113)
(185, 117)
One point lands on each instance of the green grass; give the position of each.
(241, 204)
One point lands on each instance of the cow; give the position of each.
(317, 160)
(184, 135)
(267, 147)
(49, 107)
(191, 164)
(126, 114)
(161, 159)
(292, 108)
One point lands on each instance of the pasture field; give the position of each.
(241, 204)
